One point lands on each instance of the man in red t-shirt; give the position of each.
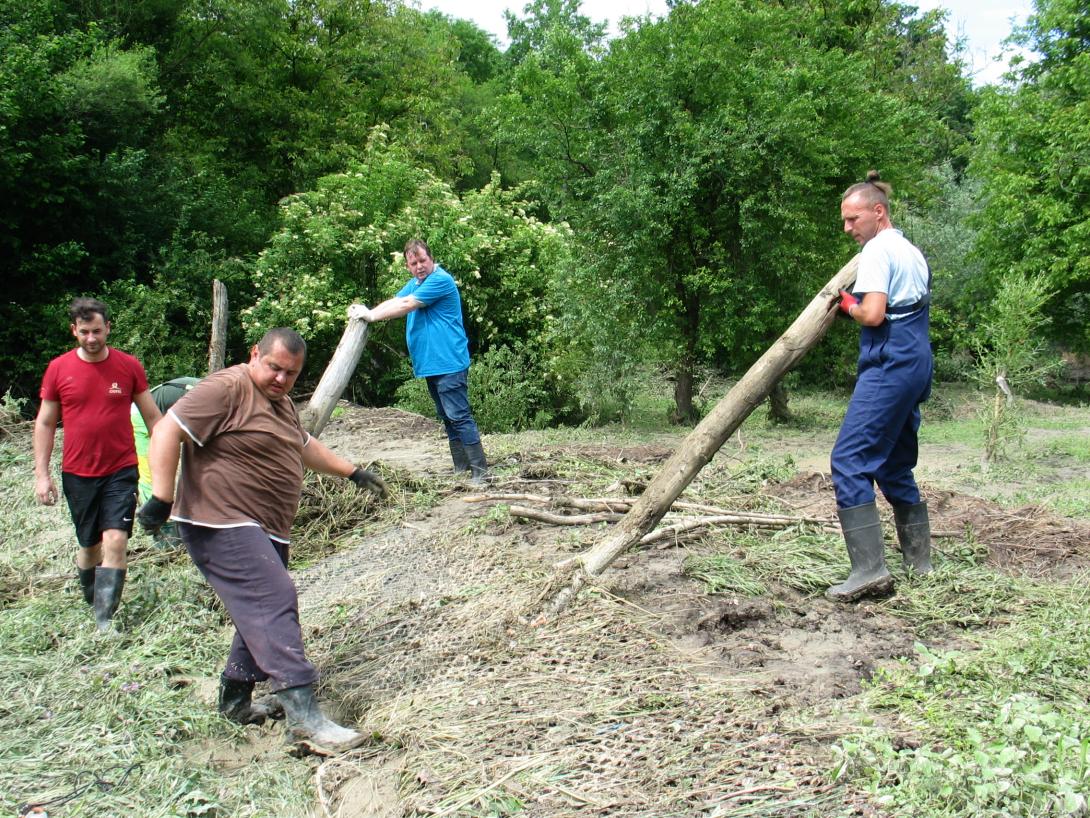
(91, 388)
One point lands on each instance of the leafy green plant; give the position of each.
(506, 390)
(1010, 356)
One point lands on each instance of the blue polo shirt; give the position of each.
(434, 333)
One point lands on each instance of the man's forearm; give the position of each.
(395, 307)
(43, 448)
(163, 453)
(320, 458)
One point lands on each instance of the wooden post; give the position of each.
(712, 432)
(217, 347)
(315, 414)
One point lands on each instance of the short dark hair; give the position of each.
(291, 340)
(873, 190)
(417, 244)
(85, 309)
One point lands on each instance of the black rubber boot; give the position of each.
(306, 723)
(914, 535)
(236, 701)
(478, 464)
(87, 584)
(109, 583)
(863, 535)
(459, 456)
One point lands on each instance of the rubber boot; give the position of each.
(108, 585)
(914, 535)
(87, 584)
(863, 535)
(478, 464)
(459, 456)
(236, 701)
(306, 722)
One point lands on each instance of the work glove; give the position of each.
(359, 311)
(847, 301)
(154, 514)
(365, 479)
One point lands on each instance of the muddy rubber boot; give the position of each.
(307, 724)
(863, 536)
(478, 464)
(914, 535)
(108, 585)
(87, 584)
(236, 702)
(459, 456)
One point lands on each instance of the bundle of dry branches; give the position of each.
(697, 516)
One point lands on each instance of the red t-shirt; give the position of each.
(95, 400)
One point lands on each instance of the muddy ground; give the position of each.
(440, 609)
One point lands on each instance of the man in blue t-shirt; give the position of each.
(439, 350)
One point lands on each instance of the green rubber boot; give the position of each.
(863, 535)
(87, 584)
(478, 465)
(307, 724)
(914, 535)
(459, 456)
(109, 583)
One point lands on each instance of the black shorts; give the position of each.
(101, 503)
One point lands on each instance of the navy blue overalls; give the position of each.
(877, 441)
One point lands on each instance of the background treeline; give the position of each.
(669, 196)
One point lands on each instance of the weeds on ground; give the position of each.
(332, 509)
(1007, 727)
(80, 712)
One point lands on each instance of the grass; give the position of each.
(1002, 730)
(116, 725)
(596, 708)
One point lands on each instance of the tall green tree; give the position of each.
(1032, 157)
(78, 172)
(341, 243)
(700, 159)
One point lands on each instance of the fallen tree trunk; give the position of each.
(315, 415)
(706, 439)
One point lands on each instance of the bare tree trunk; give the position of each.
(315, 414)
(712, 432)
(778, 409)
(684, 411)
(217, 346)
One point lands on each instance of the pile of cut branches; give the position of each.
(684, 520)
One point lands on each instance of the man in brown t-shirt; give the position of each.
(243, 452)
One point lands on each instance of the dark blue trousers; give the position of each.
(248, 571)
(877, 441)
(451, 396)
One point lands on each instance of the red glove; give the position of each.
(847, 301)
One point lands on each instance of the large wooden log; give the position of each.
(217, 346)
(713, 431)
(315, 414)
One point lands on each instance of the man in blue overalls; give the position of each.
(877, 441)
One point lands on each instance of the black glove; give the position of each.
(368, 480)
(153, 514)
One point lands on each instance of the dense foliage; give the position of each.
(666, 197)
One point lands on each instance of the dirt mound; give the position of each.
(1029, 540)
(649, 696)
(388, 435)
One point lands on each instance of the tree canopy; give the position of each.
(667, 196)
